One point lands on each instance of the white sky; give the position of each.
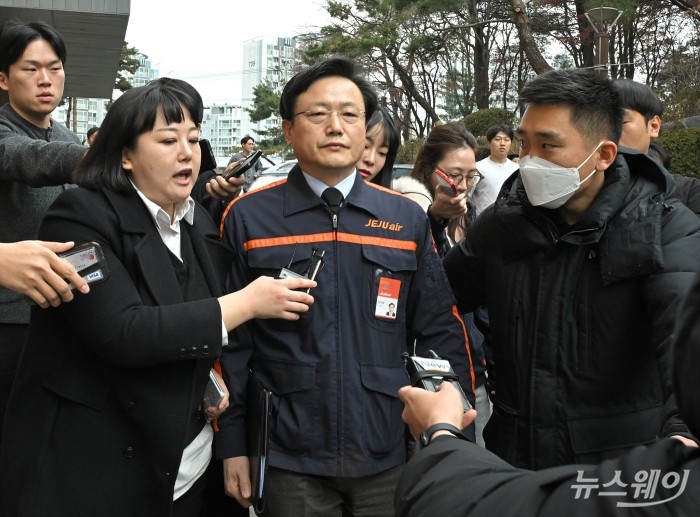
(201, 41)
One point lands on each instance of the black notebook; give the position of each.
(258, 430)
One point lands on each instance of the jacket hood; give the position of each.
(627, 209)
(414, 190)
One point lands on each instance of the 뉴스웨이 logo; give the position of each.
(638, 492)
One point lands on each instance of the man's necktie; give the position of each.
(333, 198)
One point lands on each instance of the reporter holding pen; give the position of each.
(106, 417)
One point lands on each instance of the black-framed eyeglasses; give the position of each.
(472, 177)
(319, 116)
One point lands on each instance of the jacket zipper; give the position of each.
(339, 381)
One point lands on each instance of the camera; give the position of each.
(430, 372)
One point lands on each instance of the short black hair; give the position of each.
(333, 67)
(15, 37)
(499, 128)
(92, 131)
(639, 97)
(392, 139)
(594, 101)
(245, 139)
(131, 115)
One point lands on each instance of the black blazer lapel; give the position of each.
(214, 258)
(150, 253)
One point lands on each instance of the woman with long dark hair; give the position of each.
(449, 148)
(382, 142)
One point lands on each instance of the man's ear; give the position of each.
(606, 155)
(3, 81)
(287, 128)
(126, 160)
(654, 127)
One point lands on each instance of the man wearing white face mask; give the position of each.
(549, 185)
(582, 262)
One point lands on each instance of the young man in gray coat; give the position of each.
(37, 159)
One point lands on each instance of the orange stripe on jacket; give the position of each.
(456, 314)
(350, 238)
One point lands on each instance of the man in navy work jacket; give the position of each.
(338, 443)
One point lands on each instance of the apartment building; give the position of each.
(265, 58)
(89, 112)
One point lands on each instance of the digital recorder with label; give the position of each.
(430, 372)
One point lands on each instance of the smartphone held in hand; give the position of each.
(214, 393)
(242, 167)
(448, 186)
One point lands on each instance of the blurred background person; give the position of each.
(212, 190)
(247, 148)
(91, 135)
(495, 168)
(642, 126)
(450, 148)
(377, 162)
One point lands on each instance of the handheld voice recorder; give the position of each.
(430, 372)
(315, 265)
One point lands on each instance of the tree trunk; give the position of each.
(481, 61)
(410, 85)
(527, 40)
(585, 31)
(75, 115)
(69, 111)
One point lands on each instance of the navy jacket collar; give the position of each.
(300, 197)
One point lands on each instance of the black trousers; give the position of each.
(216, 502)
(206, 497)
(12, 338)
